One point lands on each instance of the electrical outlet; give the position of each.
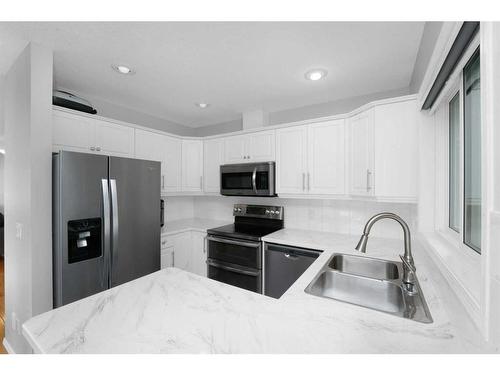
(19, 231)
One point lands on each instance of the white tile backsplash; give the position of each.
(178, 208)
(327, 215)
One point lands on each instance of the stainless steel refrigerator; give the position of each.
(106, 223)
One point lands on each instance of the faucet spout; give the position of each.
(407, 258)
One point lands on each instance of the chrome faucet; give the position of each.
(409, 268)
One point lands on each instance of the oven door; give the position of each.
(233, 274)
(251, 179)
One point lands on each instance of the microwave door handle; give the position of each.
(254, 180)
(212, 263)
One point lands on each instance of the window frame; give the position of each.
(454, 86)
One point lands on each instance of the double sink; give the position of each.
(373, 283)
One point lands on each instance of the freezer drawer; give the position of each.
(283, 265)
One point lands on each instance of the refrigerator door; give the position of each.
(80, 226)
(135, 218)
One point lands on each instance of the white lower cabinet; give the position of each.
(188, 252)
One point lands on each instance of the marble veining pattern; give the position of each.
(173, 311)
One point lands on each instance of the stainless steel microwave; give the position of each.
(249, 179)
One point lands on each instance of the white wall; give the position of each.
(338, 216)
(28, 190)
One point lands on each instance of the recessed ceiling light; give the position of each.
(123, 69)
(202, 105)
(316, 74)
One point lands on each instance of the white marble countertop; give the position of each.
(179, 226)
(172, 311)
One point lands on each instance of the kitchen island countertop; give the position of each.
(173, 311)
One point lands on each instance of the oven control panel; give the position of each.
(266, 212)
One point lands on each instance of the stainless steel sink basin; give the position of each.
(375, 294)
(365, 266)
(371, 283)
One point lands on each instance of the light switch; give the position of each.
(19, 231)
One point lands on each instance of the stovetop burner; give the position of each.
(251, 222)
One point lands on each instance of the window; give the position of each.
(464, 154)
(472, 154)
(455, 211)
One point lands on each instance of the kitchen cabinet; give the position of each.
(199, 253)
(188, 251)
(213, 158)
(291, 160)
(396, 151)
(114, 139)
(173, 164)
(192, 165)
(326, 157)
(252, 147)
(167, 150)
(361, 148)
(311, 159)
(73, 132)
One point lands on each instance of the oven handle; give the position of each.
(232, 242)
(215, 264)
(254, 180)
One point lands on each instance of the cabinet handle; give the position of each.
(92, 148)
(173, 258)
(303, 181)
(368, 182)
(163, 181)
(248, 157)
(201, 182)
(205, 245)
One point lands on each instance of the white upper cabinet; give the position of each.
(72, 133)
(361, 154)
(84, 134)
(396, 151)
(291, 160)
(192, 165)
(261, 146)
(326, 158)
(173, 164)
(235, 149)
(114, 139)
(253, 147)
(213, 158)
(310, 159)
(152, 146)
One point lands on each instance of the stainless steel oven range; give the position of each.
(235, 250)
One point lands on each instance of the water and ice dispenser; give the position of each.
(84, 239)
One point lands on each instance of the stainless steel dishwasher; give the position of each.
(283, 265)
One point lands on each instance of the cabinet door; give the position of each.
(114, 139)
(361, 154)
(396, 150)
(182, 251)
(261, 146)
(213, 158)
(235, 149)
(291, 160)
(192, 165)
(172, 148)
(72, 132)
(167, 257)
(151, 146)
(326, 158)
(199, 253)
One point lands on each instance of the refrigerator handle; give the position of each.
(106, 229)
(114, 223)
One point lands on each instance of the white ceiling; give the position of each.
(234, 66)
